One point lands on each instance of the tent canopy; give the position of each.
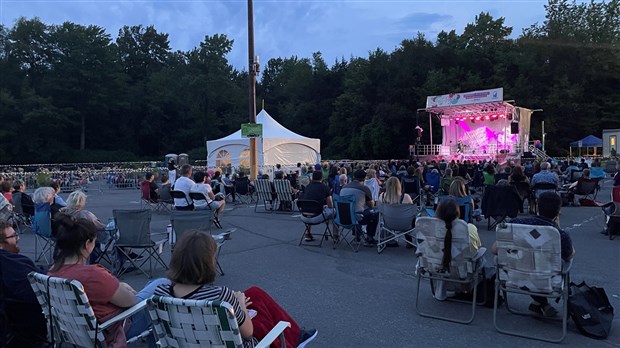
(277, 145)
(589, 141)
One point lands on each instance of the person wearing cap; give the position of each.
(363, 204)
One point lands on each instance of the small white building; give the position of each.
(610, 141)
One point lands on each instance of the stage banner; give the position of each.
(456, 99)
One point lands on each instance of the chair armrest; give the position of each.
(124, 315)
(273, 334)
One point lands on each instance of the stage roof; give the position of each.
(479, 109)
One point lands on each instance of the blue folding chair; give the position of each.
(42, 229)
(347, 219)
(464, 204)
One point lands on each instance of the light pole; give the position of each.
(252, 70)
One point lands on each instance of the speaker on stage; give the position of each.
(514, 128)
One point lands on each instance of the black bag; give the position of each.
(590, 309)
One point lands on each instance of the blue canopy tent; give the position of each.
(587, 142)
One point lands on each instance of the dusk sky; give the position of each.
(282, 28)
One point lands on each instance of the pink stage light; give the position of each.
(478, 118)
(487, 117)
(471, 118)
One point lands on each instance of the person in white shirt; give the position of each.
(202, 187)
(184, 184)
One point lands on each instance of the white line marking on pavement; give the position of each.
(295, 216)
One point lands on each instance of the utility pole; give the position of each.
(252, 89)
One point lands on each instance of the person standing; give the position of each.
(172, 171)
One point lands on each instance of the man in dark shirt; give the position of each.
(549, 205)
(319, 192)
(25, 321)
(153, 189)
(364, 205)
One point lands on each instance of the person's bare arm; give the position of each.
(330, 202)
(125, 296)
(246, 329)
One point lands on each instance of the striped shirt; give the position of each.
(212, 293)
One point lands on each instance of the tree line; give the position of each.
(70, 92)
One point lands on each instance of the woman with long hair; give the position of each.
(75, 241)
(192, 272)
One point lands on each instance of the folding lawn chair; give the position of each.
(264, 194)
(373, 185)
(465, 267)
(284, 194)
(201, 323)
(587, 188)
(464, 204)
(70, 314)
(411, 186)
(529, 262)
(525, 193)
(180, 196)
(242, 190)
(134, 227)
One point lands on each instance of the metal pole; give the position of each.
(430, 132)
(252, 90)
(543, 135)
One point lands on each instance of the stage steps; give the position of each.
(540, 154)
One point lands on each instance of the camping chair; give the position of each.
(70, 315)
(19, 218)
(134, 227)
(411, 186)
(525, 194)
(181, 196)
(242, 190)
(465, 267)
(312, 214)
(464, 204)
(347, 219)
(529, 262)
(588, 188)
(183, 221)
(373, 185)
(199, 196)
(433, 180)
(499, 203)
(544, 186)
(575, 175)
(284, 194)
(147, 202)
(201, 323)
(42, 229)
(264, 194)
(396, 221)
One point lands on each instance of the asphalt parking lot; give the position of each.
(367, 299)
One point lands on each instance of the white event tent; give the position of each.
(277, 145)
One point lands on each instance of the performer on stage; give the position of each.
(419, 134)
(459, 147)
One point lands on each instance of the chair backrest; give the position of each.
(586, 186)
(309, 208)
(433, 180)
(373, 185)
(198, 196)
(134, 226)
(501, 201)
(529, 257)
(597, 173)
(544, 186)
(397, 217)
(431, 233)
(164, 193)
(180, 195)
(194, 323)
(283, 190)
(66, 305)
(17, 202)
(242, 185)
(42, 220)
(464, 204)
(575, 175)
(304, 180)
(410, 185)
(501, 176)
(345, 211)
(263, 189)
(183, 221)
(523, 188)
